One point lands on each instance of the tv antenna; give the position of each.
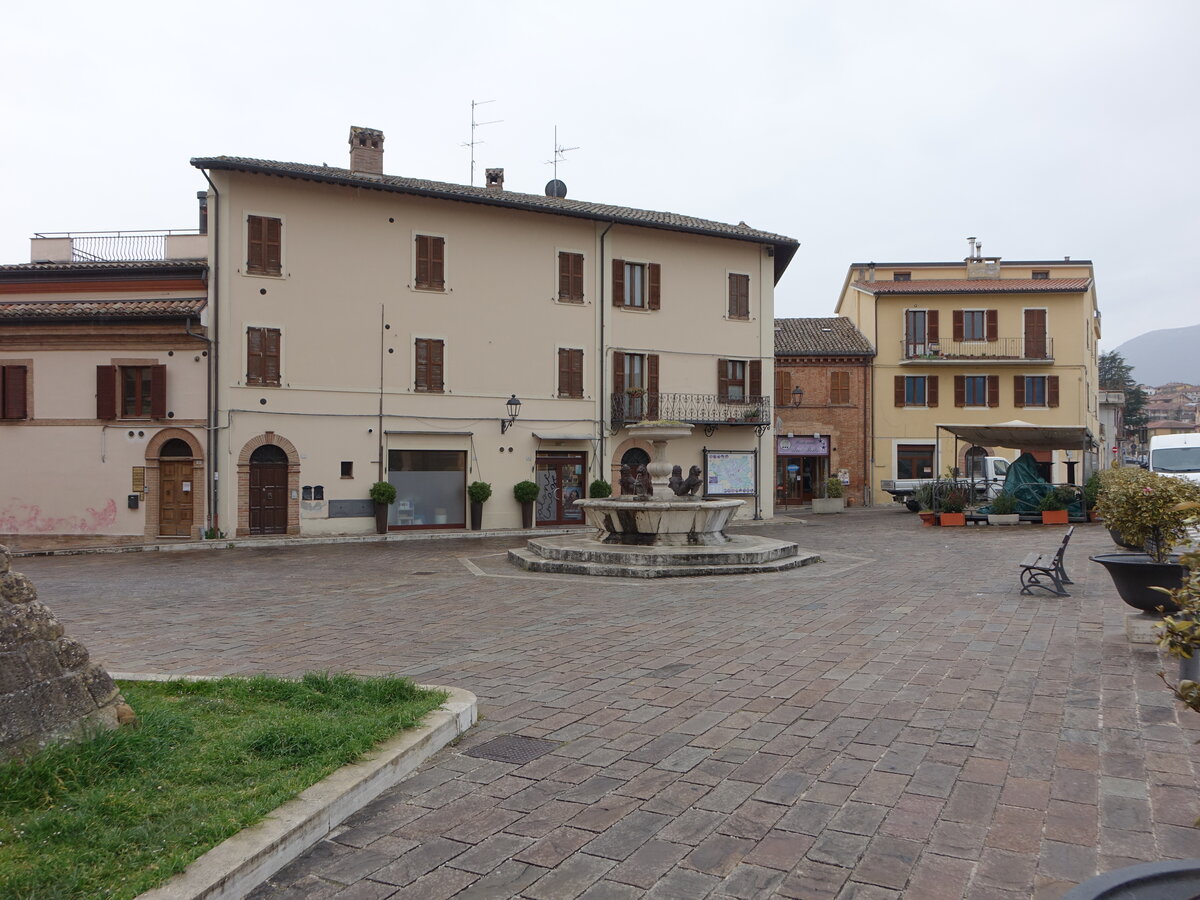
(471, 143)
(559, 153)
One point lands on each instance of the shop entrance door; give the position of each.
(560, 484)
(799, 479)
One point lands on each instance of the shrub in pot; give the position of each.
(1003, 510)
(599, 489)
(383, 494)
(1091, 491)
(1055, 504)
(832, 502)
(525, 493)
(478, 492)
(954, 507)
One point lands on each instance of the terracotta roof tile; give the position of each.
(173, 308)
(106, 265)
(977, 286)
(820, 337)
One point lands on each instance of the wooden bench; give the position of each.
(1045, 570)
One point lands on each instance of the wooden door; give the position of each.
(268, 497)
(176, 487)
(1035, 334)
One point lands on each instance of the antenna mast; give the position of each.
(559, 152)
(471, 143)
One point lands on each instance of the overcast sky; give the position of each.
(866, 129)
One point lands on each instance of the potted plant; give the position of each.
(526, 492)
(954, 507)
(1003, 510)
(1179, 633)
(924, 499)
(599, 489)
(1091, 492)
(1152, 511)
(479, 492)
(1055, 504)
(833, 501)
(383, 494)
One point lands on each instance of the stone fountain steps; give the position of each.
(743, 555)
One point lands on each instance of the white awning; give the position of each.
(554, 436)
(1020, 435)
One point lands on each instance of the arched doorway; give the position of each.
(176, 489)
(268, 498)
(634, 456)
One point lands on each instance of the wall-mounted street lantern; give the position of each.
(513, 405)
(797, 396)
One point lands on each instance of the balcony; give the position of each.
(1002, 350)
(708, 410)
(118, 246)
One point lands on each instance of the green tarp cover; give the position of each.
(1025, 483)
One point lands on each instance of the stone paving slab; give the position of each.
(896, 721)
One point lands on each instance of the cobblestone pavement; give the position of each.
(894, 722)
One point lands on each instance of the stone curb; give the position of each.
(241, 863)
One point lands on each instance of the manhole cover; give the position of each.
(668, 671)
(512, 748)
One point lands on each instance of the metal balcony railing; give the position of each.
(117, 246)
(1001, 348)
(696, 409)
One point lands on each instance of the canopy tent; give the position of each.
(1019, 435)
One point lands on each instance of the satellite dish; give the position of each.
(555, 188)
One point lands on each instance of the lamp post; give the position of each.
(513, 405)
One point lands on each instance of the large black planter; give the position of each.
(527, 514)
(381, 518)
(1120, 541)
(1176, 879)
(1134, 574)
(476, 516)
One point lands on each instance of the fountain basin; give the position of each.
(677, 522)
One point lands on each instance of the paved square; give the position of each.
(894, 722)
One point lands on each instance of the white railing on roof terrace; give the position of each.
(116, 246)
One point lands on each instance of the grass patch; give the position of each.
(120, 814)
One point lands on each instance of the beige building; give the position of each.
(373, 327)
(977, 342)
(103, 389)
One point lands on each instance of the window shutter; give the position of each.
(576, 373)
(739, 296)
(1052, 390)
(899, 390)
(255, 255)
(270, 355)
(618, 286)
(931, 326)
(106, 392)
(993, 327)
(564, 278)
(618, 372)
(422, 261)
(993, 390)
(960, 390)
(1018, 390)
(158, 392)
(655, 285)
(13, 401)
(437, 357)
(421, 381)
(437, 262)
(272, 246)
(651, 385)
(577, 278)
(755, 378)
(931, 390)
(958, 324)
(254, 360)
(723, 380)
(783, 387)
(564, 372)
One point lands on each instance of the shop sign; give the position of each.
(803, 445)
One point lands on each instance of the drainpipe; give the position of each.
(603, 354)
(214, 269)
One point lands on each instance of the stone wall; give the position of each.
(49, 691)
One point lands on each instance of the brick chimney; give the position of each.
(494, 179)
(366, 151)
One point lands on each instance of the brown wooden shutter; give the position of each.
(755, 386)
(960, 390)
(931, 326)
(158, 392)
(437, 358)
(993, 390)
(564, 278)
(13, 400)
(739, 296)
(421, 379)
(992, 326)
(576, 373)
(958, 324)
(437, 262)
(931, 390)
(899, 390)
(255, 253)
(564, 372)
(272, 246)
(618, 285)
(1052, 390)
(270, 356)
(783, 386)
(1018, 390)
(106, 392)
(655, 285)
(570, 277)
(651, 385)
(577, 278)
(254, 360)
(723, 380)
(422, 261)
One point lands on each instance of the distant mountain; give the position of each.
(1160, 357)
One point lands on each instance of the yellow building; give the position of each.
(977, 342)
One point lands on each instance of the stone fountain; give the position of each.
(660, 529)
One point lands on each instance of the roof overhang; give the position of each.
(1019, 435)
(552, 436)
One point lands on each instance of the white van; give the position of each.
(1176, 454)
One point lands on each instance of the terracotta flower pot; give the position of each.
(928, 518)
(953, 518)
(1054, 517)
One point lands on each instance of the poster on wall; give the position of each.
(730, 472)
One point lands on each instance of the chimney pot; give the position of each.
(494, 179)
(366, 151)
